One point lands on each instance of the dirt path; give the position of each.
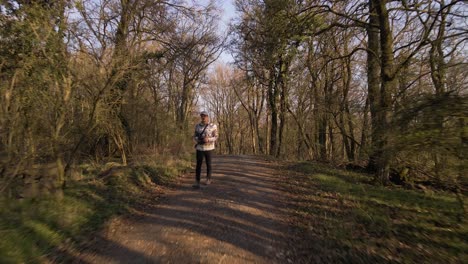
(237, 219)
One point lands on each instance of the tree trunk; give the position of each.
(373, 79)
(273, 99)
(352, 150)
(388, 86)
(183, 108)
(303, 136)
(321, 126)
(122, 75)
(365, 131)
(282, 84)
(438, 76)
(346, 142)
(348, 138)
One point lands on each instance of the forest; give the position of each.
(373, 86)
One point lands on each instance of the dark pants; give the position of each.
(200, 155)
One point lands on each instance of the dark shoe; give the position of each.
(196, 185)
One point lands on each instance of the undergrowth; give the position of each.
(32, 229)
(344, 219)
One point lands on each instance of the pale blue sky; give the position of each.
(229, 12)
(228, 7)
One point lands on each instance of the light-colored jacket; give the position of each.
(211, 133)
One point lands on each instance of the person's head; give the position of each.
(204, 116)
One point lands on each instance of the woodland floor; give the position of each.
(262, 211)
(240, 218)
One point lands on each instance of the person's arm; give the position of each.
(214, 134)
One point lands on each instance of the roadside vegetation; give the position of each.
(34, 230)
(345, 219)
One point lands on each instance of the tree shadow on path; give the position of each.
(237, 219)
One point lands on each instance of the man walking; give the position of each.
(205, 137)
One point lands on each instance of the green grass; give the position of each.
(359, 222)
(31, 229)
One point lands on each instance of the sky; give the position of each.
(229, 13)
(228, 6)
(228, 9)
